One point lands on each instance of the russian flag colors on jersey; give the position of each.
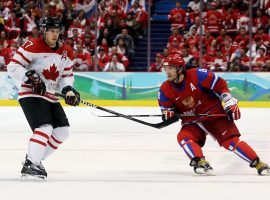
(198, 93)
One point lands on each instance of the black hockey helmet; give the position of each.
(51, 22)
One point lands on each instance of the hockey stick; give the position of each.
(158, 125)
(179, 115)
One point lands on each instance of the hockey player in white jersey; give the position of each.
(44, 66)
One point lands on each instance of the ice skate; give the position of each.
(33, 171)
(262, 168)
(201, 166)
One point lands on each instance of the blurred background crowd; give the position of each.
(136, 35)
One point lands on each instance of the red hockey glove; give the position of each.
(38, 86)
(232, 109)
(72, 96)
(166, 114)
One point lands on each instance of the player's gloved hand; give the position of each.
(38, 86)
(232, 109)
(166, 114)
(72, 96)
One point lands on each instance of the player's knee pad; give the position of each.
(231, 143)
(42, 134)
(61, 133)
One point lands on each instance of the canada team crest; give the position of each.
(189, 102)
(51, 74)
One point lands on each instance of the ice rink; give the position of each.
(117, 159)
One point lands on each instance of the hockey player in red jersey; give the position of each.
(44, 66)
(199, 91)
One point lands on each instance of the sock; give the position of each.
(240, 148)
(58, 136)
(38, 142)
(191, 148)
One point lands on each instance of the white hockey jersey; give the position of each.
(53, 66)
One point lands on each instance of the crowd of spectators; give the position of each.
(120, 24)
(225, 43)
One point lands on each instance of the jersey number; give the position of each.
(203, 70)
(28, 44)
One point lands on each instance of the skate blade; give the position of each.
(27, 177)
(205, 173)
(265, 173)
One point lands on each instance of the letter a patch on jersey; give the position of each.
(64, 55)
(192, 87)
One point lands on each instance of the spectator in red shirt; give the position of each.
(242, 39)
(213, 19)
(177, 17)
(260, 60)
(82, 59)
(103, 59)
(157, 65)
(175, 34)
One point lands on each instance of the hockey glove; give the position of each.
(232, 109)
(38, 86)
(166, 114)
(72, 96)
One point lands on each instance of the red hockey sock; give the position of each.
(191, 148)
(240, 148)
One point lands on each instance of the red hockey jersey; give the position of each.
(199, 93)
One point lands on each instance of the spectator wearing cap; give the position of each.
(157, 65)
(103, 59)
(114, 65)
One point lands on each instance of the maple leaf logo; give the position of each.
(51, 74)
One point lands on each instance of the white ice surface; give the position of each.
(117, 159)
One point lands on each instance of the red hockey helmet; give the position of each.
(174, 60)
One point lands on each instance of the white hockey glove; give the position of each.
(232, 109)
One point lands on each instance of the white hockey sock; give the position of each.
(38, 143)
(58, 136)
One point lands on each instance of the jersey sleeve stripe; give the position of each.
(17, 62)
(67, 75)
(214, 81)
(68, 68)
(26, 59)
